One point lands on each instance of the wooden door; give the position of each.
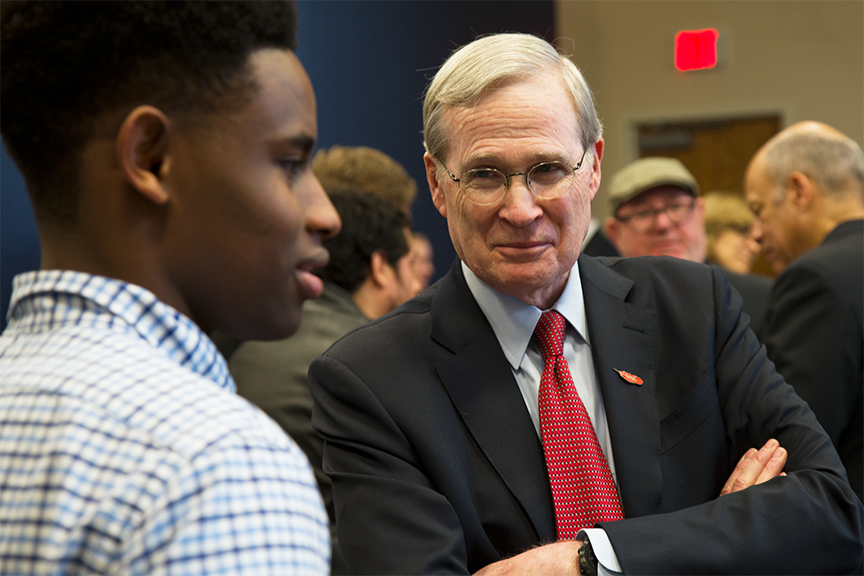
(716, 151)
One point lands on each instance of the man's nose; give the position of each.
(322, 220)
(520, 207)
(662, 221)
(756, 232)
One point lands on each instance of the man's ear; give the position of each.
(799, 189)
(699, 209)
(434, 185)
(596, 157)
(142, 152)
(380, 270)
(610, 226)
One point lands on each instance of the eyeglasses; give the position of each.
(644, 220)
(487, 186)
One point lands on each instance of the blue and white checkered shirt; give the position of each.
(124, 449)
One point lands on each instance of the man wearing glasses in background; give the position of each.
(541, 412)
(657, 211)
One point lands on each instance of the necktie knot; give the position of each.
(550, 334)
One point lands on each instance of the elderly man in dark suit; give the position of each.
(540, 412)
(806, 185)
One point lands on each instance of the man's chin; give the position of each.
(778, 266)
(276, 325)
(674, 252)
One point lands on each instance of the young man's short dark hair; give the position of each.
(68, 64)
(369, 223)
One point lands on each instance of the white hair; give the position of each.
(496, 60)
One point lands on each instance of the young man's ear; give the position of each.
(142, 152)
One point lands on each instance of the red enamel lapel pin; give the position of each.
(632, 378)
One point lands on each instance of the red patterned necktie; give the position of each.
(583, 490)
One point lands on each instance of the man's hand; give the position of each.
(560, 558)
(756, 467)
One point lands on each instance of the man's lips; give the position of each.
(311, 285)
(670, 243)
(522, 248)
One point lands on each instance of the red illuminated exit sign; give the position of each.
(696, 49)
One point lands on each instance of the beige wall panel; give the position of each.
(801, 59)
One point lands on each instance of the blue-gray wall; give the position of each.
(19, 244)
(369, 62)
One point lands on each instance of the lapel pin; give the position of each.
(632, 378)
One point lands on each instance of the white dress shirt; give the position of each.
(513, 322)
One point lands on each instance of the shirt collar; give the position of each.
(513, 321)
(53, 299)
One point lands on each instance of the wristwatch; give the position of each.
(587, 559)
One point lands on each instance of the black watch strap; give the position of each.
(587, 559)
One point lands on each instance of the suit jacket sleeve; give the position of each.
(410, 527)
(807, 522)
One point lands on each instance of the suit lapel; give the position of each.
(482, 387)
(623, 337)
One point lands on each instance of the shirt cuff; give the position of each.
(608, 561)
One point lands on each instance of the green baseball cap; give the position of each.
(647, 173)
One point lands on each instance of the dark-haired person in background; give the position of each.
(367, 276)
(364, 169)
(360, 168)
(166, 149)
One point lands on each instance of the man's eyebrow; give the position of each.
(533, 159)
(305, 142)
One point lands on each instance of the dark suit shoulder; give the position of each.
(756, 292)
(650, 279)
(397, 332)
(840, 258)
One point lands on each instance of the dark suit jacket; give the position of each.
(436, 465)
(599, 245)
(756, 292)
(815, 337)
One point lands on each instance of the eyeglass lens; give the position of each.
(546, 180)
(677, 212)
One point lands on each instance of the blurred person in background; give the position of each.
(362, 168)
(729, 226)
(806, 188)
(657, 211)
(423, 259)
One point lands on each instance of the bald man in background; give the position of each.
(806, 187)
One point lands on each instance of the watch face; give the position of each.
(587, 560)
